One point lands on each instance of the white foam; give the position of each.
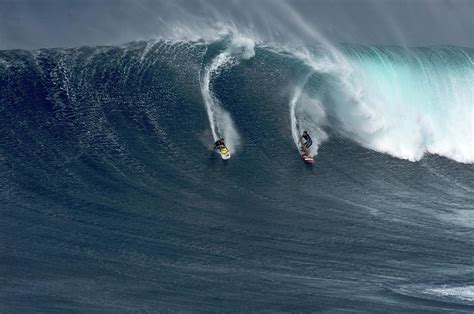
(402, 105)
(462, 293)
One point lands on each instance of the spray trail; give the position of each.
(307, 114)
(220, 120)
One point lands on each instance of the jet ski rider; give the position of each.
(219, 144)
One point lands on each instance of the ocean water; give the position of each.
(112, 199)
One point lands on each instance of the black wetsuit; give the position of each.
(308, 140)
(218, 144)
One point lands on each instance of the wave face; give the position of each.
(111, 198)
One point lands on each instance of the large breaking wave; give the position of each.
(399, 101)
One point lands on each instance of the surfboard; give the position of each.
(224, 151)
(306, 157)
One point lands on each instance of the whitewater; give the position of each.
(112, 199)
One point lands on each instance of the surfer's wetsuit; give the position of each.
(308, 140)
(219, 144)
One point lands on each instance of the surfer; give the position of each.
(219, 144)
(308, 141)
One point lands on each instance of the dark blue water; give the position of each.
(111, 199)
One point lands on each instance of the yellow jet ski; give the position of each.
(224, 151)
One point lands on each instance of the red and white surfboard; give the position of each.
(307, 157)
